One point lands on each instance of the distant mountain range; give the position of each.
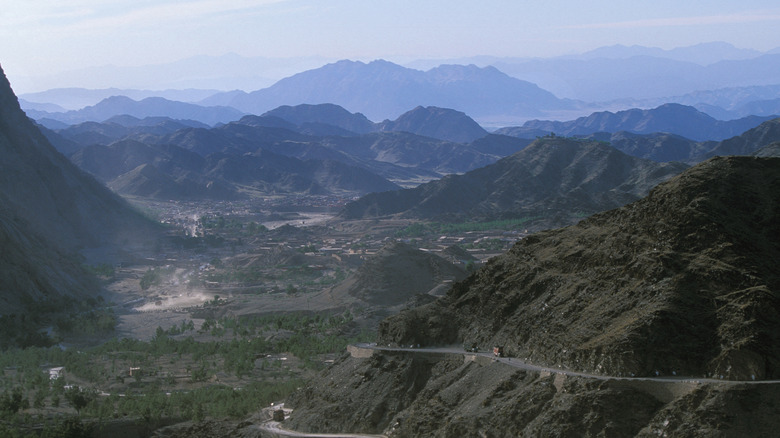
(670, 118)
(383, 90)
(303, 149)
(601, 79)
(148, 107)
(77, 98)
(371, 153)
(556, 177)
(723, 81)
(222, 72)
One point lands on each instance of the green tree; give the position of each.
(79, 398)
(14, 402)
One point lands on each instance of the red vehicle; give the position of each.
(498, 351)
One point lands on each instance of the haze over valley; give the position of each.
(282, 218)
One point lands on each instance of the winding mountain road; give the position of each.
(519, 363)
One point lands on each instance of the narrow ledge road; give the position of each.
(519, 363)
(275, 428)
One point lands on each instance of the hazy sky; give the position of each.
(49, 36)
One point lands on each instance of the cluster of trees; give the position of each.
(67, 314)
(241, 349)
(98, 321)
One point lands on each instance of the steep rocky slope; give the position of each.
(417, 394)
(49, 210)
(684, 281)
(681, 282)
(65, 205)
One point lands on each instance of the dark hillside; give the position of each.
(59, 201)
(684, 281)
(396, 274)
(552, 176)
(48, 210)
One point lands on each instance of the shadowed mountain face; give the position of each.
(65, 205)
(683, 281)
(670, 147)
(549, 177)
(166, 171)
(326, 113)
(48, 210)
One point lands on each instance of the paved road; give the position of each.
(519, 363)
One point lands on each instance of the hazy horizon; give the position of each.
(47, 39)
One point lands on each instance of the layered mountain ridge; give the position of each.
(674, 118)
(552, 176)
